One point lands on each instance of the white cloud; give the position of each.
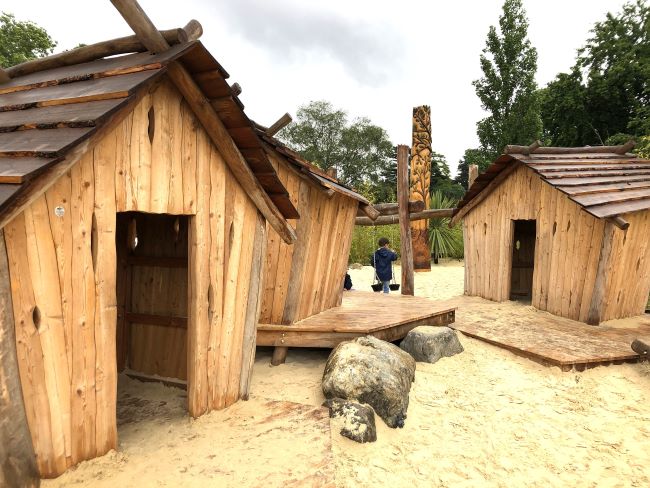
(374, 58)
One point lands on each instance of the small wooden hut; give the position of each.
(306, 278)
(134, 198)
(566, 228)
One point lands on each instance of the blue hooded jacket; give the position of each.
(382, 261)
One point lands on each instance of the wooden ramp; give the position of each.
(549, 339)
(388, 317)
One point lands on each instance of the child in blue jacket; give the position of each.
(382, 261)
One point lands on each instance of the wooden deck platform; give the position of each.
(549, 339)
(388, 317)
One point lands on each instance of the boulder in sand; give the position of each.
(371, 371)
(429, 344)
(357, 420)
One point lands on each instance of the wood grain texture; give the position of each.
(406, 249)
(18, 467)
(64, 279)
(567, 250)
(420, 179)
(306, 278)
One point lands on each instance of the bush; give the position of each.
(364, 241)
(445, 241)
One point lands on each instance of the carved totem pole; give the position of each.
(420, 181)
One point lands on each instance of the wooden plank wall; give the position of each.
(331, 222)
(567, 245)
(629, 280)
(63, 276)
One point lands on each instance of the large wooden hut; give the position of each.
(134, 199)
(566, 228)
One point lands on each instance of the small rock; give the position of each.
(358, 421)
(428, 344)
(374, 372)
(356, 266)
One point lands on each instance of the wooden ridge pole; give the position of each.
(155, 42)
(406, 247)
(85, 54)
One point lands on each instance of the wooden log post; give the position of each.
(279, 124)
(214, 127)
(297, 272)
(406, 247)
(253, 307)
(598, 298)
(368, 210)
(420, 181)
(17, 459)
(473, 174)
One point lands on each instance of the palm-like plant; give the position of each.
(445, 241)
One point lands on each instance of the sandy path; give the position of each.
(482, 418)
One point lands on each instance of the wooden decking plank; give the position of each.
(546, 338)
(361, 313)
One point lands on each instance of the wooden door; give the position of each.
(152, 294)
(523, 259)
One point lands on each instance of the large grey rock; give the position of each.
(357, 421)
(371, 371)
(429, 344)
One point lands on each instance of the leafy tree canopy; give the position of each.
(507, 89)
(607, 93)
(361, 152)
(22, 41)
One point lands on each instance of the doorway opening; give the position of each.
(523, 260)
(152, 304)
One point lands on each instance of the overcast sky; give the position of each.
(373, 58)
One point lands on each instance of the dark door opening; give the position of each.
(523, 260)
(152, 297)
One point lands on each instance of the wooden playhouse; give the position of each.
(566, 228)
(134, 199)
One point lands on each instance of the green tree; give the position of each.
(446, 241)
(441, 181)
(607, 94)
(22, 41)
(507, 89)
(361, 152)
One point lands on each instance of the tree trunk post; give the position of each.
(473, 174)
(419, 184)
(17, 459)
(406, 247)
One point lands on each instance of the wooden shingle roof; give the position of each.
(606, 182)
(46, 115)
(317, 174)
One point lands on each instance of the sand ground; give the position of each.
(485, 418)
